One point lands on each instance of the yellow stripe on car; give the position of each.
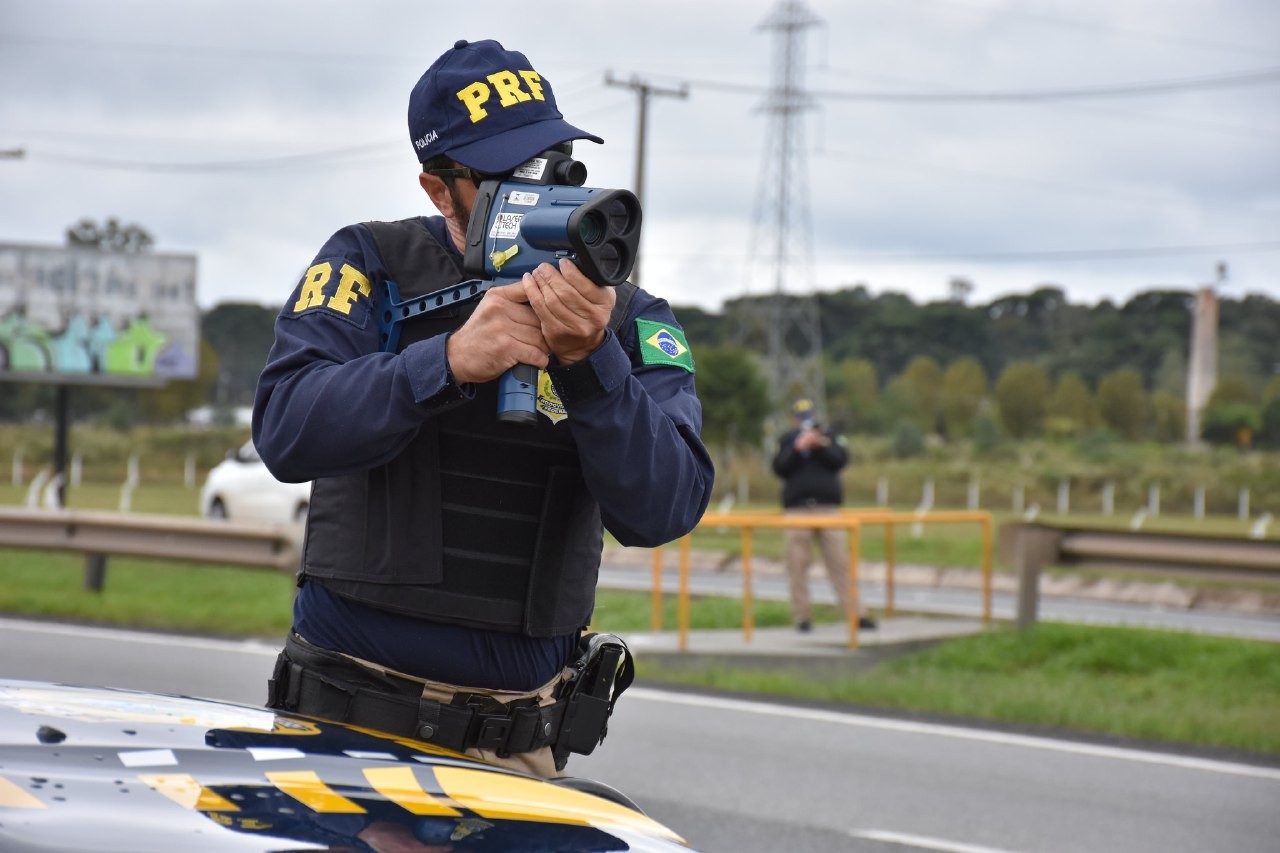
(305, 787)
(516, 798)
(13, 797)
(187, 792)
(401, 786)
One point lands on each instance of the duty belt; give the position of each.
(471, 721)
(319, 683)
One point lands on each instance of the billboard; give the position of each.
(93, 317)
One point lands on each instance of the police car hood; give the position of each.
(118, 770)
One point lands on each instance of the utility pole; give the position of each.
(785, 326)
(643, 91)
(1202, 361)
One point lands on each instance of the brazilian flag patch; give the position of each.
(663, 344)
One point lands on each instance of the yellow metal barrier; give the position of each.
(852, 521)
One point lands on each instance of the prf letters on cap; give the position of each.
(507, 85)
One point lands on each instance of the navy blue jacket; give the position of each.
(330, 403)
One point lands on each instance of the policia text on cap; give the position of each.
(450, 557)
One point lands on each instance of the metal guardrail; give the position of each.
(99, 535)
(1031, 547)
(851, 520)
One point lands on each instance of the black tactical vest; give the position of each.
(477, 522)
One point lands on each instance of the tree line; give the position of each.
(1020, 366)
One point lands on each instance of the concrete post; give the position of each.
(1029, 547)
(95, 572)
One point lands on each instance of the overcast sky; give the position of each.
(247, 132)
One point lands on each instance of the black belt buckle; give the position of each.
(492, 734)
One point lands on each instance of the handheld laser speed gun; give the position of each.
(538, 214)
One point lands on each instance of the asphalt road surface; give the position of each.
(968, 602)
(740, 777)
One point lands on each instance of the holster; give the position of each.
(603, 670)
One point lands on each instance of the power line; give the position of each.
(1259, 77)
(256, 164)
(1094, 26)
(188, 50)
(1073, 254)
(1126, 113)
(997, 256)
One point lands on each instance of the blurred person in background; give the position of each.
(809, 460)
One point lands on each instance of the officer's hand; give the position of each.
(573, 309)
(502, 332)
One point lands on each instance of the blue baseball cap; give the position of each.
(487, 108)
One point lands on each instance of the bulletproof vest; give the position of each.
(477, 522)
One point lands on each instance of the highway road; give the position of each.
(746, 776)
(968, 602)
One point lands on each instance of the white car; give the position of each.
(241, 487)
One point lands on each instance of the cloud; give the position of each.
(309, 100)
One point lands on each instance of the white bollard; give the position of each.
(51, 499)
(1199, 505)
(1153, 500)
(974, 496)
(37, 485)
(189, 472)
(926, 504)
(882, 491)
(17, 467)
(1064, 497)
(77, 470)
(1108, 498)
(1243, 510)
(130, 482)
(1018, 499)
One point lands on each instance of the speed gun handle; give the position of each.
(518, 395)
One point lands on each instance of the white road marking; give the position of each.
(958, 732)
(923, 842)
(141, 637)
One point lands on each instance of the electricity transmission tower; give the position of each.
(785, 324)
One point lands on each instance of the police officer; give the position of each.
(809, 460)
(450, 559)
